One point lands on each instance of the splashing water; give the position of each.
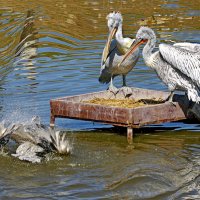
(34, 140)
(61, 56)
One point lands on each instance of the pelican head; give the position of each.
(114, 21)
(143, 35)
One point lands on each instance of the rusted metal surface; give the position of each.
(74, 107)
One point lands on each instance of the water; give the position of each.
(53, 49)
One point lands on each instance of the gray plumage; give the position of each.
(28, 151)
(111, 69)
(34, 140)
(5, 133)
(183, 59)
(113, 53)
(194, 47)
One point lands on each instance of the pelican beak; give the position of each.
(107, 47)
(133, 47)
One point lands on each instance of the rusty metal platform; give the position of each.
(74, 107)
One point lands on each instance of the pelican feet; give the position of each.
(171, 102)
(113, 89)
(169, 99)
(127, 91)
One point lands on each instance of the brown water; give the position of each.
(57, 52)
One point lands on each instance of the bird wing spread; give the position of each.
(29, 152)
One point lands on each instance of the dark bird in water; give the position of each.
(178, 65)
(5, 133)
(113, 53)
(35, 140)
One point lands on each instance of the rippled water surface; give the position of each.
(51, 49)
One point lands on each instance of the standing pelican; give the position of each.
(114, 52)
(178, 66)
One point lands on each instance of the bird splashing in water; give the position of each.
(34, 140)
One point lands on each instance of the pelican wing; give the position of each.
(113, 46)
(29, 152)
(194, 47)
(105, 74)
(5, 133)
(182, 59)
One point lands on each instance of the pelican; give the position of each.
(178, 66)
(113, 53)
(35, 140)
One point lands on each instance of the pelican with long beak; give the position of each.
(178, 65)
(113, 53)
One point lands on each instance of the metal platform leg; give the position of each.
(130, 135)
(52, 121)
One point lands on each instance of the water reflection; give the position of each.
(54, 49)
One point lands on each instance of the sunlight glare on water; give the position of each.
(52, 49)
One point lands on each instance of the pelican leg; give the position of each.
(170, 98)
(112, 88)
(124, 80)
(127, 91)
